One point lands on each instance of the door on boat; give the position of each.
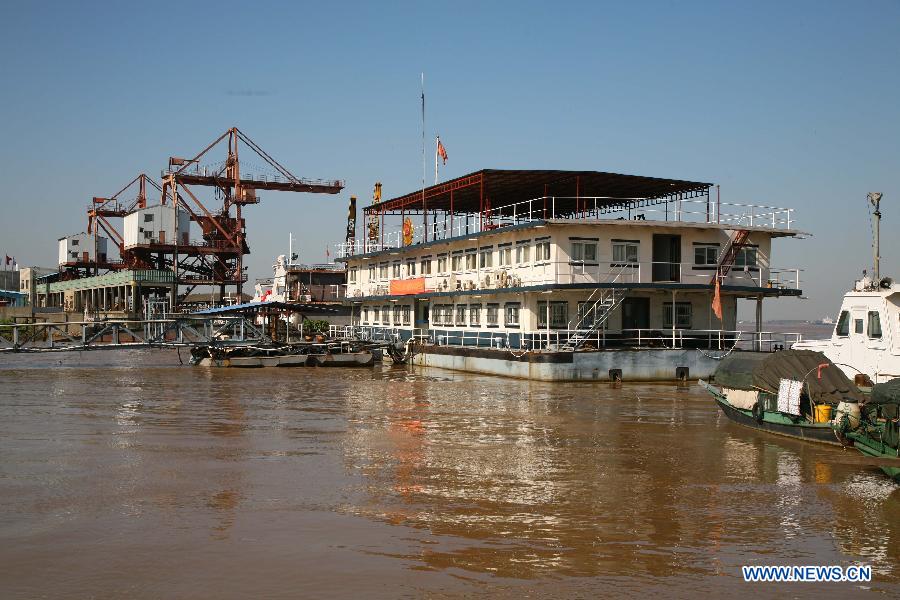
(635, 313)
(666, 257)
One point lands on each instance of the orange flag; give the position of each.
(441, 151)
(717, 300)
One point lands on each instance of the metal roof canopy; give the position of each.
(476, 191)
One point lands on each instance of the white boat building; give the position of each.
(566, 275)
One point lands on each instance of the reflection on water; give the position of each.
(265, 482)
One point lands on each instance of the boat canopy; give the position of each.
(764, 371)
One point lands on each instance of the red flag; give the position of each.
(717, 300)
(442, 152)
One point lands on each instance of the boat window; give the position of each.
(558, 313)
(493, 311)
(542, 250)
(456, 262)
(857, 325)
(584, 251)
(624, 252)
(843, 325)
(874, 325)
(505, 251)
(523, 249)
(512, 314)
(487, 257)
(746, 257)
(683, 315)
(706, 255)
(471, 260)
(475, 315)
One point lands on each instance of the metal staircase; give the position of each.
(605, 301)
(729, 254)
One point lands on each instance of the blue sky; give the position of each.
(787, 104)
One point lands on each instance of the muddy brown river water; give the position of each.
(126, 475)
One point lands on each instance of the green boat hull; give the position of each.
(874, 448)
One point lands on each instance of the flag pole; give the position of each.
(424, 208)
(436, 142)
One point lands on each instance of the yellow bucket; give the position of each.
(823, 413)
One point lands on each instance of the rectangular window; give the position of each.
(461, 315)
(411, 268)
(505, 251)
(511, 314)
(857, 326)
(456, 262)
(471, 260)
(683, 315)
(383, 270)
(542, 250)
(843, 325)
(365, 316)
(523, 252)
(442, 263)
(474, 315)
(74, 242)
(558, 313)
(746, 257)
(406, 313)
(625, 252)
(426, 265)
(493, 314)
(395, 269)
(371, 272)
(874, 325)
(584, 252)
(351, 275)
(386, 315)
(376, 315)
(706, 255)
(148, 217)
(486, 260)
(396, 315)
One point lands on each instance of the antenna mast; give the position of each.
(875, 199)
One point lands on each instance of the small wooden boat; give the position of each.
(309, 355)
(772, 421)
(748, 386)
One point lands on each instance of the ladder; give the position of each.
(726, 260)
(605, 301)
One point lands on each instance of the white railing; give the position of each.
(556, 339)
(581, 272)
(692, 210)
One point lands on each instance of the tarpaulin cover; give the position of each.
(764, 371)
(887, 392)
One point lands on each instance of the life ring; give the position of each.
(758, 411)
